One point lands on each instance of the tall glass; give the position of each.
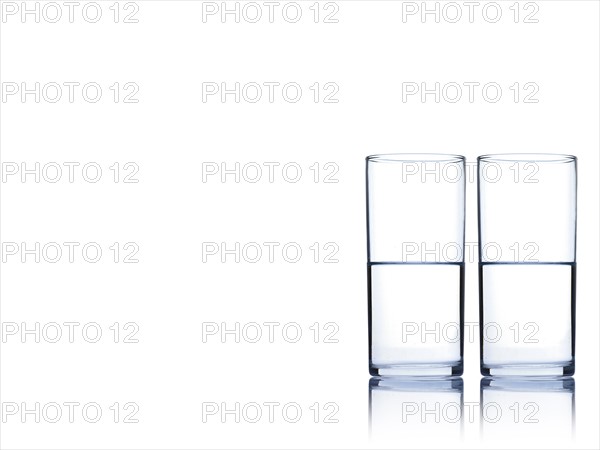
(527, 231)
(415, 268)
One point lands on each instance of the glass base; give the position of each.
(401, 370)
(529, 370)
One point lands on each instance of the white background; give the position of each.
(170, 132)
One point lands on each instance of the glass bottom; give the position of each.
(529, 370)
(398, 370)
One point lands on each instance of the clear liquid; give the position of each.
(415, 314)
(528, 315)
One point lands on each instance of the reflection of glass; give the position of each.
(527, 228)
(415, 242)
(429, 409)
(527, 409)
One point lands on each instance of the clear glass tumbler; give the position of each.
(527, 233)
(415, 268)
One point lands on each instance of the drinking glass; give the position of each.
(415, 263)
(527, 231)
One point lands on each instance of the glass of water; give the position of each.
(415, 268)
(527, 230)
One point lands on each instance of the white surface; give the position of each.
(170, 132)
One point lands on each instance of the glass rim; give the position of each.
(527, 157)
(415, 157)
